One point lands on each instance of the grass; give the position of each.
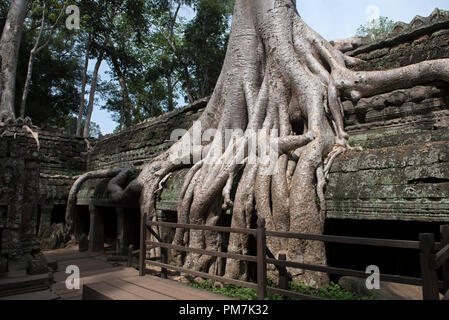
(333, 291)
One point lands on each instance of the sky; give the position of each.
(333, 19)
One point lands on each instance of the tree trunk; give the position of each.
(90, 106)
(26, 88)
(83, 88)
(278, 74)
(171, 105)
(126, 102)
(9, 54)
(188, 86)
(33, 54)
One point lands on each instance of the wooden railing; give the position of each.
(433, 256)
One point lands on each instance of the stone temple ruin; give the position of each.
(396, 187)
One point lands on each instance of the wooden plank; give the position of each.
(444, 232)
(173, 289)
(27, 284)
(283, 274)
(87, 272)
(261, 240)
(68, 295)
(401, 244)
(201, 251)
(130, 255)
(103, 276)
(345, 272)
(105, 291)
(428, 272)
(143, 251)
(205, 275)
(198, 227)
(144, 293)
(441, 257)
(91, 277)
(38, 296)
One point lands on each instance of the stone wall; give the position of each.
(422, 39)
(19, 185)
(395, 178)
(135, 146)
(62, 158)
(403, 172)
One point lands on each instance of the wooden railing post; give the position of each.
(283, 275)
(143, 246)
(261, 259)
(428, 271)
(444, 231)
(164, 259)
(130, 255)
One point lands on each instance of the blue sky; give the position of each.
(333, 19)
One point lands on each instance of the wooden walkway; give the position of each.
(104, 280)
(145, 288)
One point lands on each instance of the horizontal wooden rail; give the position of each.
(202, 251)
(433, 255)
(402, 244)
(347, 272)
(293, 294)
(441, 257)
(154, 234)
(204, 275)
(198, 227)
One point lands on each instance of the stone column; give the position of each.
(124, 231)
(45, 223)
(96, 234)
(78, 225)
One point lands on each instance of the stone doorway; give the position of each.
(390, 260)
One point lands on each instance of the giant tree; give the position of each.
(280, 75)
(37, 48)
(9, 53)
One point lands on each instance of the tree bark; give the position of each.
(90, 106)
(9, 54)
(171, 105)
(126, 102)
(83, 88)
(34, 52)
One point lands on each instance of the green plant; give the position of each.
(375, 28)
(333, 291)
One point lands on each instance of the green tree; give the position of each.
(56, 73)
(9, 52)
(205, 42)
(375, 28)
(172, 59)
(47, 18)
(109, 27)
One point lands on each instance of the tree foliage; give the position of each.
(375, 28)
(173, 59)
(157, 58)
(56, 74)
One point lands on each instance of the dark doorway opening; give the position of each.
(134, 216)
(38, 219)
(82, 224)
(110, 226)
(58, 214)
(403, 262)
